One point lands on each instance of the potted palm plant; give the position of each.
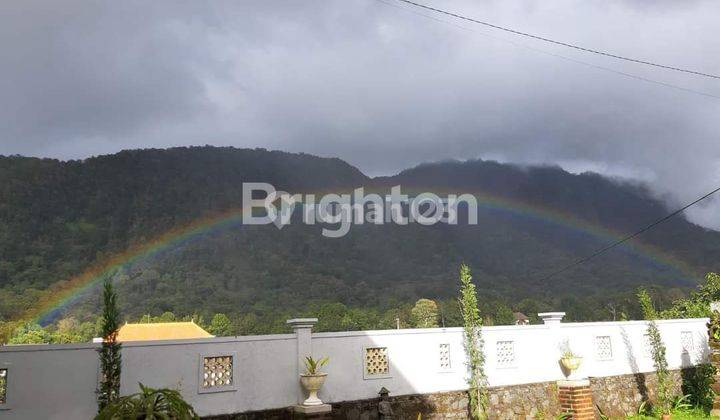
(312, 380)
(149, 403)
(569, 360)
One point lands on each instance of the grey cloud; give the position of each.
(379, 86)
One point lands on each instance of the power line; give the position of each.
(562, 57)
(626, 238)
(651, 225)
(564, 44)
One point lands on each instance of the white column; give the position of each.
(302, 327)
(553, 320)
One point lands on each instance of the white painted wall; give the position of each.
(58, 382)
(414, 355)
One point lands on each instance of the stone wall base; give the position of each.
(614, 396)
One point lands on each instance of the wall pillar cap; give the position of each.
(297, 323)
(573, 383)
(551, 317)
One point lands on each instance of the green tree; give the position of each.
(504, 315)
(68, 331)
(424, 314)
(698, 304)
(473, 341)
(450, 315)
(166, 317)
(664, 397)
(221, 326)
(30, 334)
(110, 358)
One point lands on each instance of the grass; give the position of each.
(685, 414)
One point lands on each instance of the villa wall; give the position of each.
(424, 366)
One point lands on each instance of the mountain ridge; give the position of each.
(60, 217)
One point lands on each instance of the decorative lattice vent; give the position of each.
(603, 347)
(686, 339)
(3, 385)
(217, 371)
(505, 352)
(445, 356)
(376, 361)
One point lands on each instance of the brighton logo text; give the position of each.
(338, 212)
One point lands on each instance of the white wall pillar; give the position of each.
(302, 327)
(552, 320)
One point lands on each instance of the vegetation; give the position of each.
(312, 366)
(57, 219)
(663, 392)
(424, 314)
(67, 330)
(220, 326)
(3, 385)
(697, 305)
(681, 409)
(697, 385)
(110, 358)
(714, 328)
(682, 414)
(473, 341)
(149, 404)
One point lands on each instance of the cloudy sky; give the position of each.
(375, 82)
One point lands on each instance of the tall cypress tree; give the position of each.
(474, 345)
(664, 391)
(110, 359)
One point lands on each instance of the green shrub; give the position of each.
(149, 404)
(697, 385)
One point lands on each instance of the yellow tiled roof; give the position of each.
(161, 331)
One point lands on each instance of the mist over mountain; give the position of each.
(57, 218)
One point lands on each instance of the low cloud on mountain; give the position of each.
(376, 83)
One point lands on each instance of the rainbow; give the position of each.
(63, 294)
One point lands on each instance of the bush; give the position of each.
(697, 385)
(149, 404)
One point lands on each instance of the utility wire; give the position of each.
(627, 238)
(564, 44)
(562, 57)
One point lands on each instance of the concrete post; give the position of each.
(302, 327)
(576, 399)
(574, 395)
(552, 320)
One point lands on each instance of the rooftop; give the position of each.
(161, 331)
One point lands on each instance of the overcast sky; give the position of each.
(374, 83)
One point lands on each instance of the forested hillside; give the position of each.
(57, 218)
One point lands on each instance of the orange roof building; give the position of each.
(161, 331)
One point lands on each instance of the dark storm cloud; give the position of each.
(382, 87)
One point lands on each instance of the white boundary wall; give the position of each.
(59, 381)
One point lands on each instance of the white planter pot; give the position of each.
(312, 384)
(571, 364)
